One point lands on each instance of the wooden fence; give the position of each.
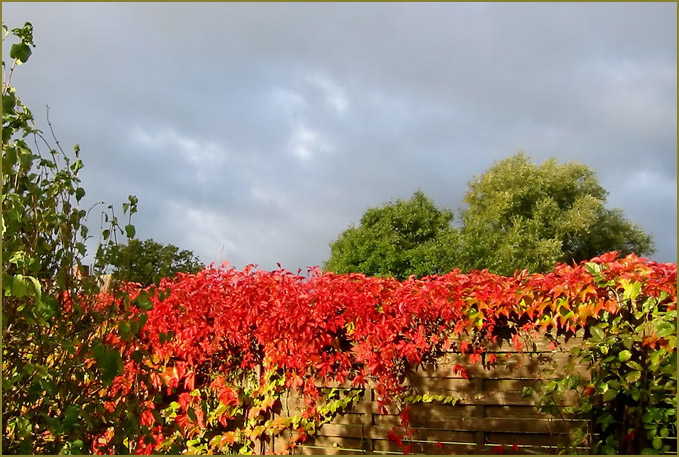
(491, 412)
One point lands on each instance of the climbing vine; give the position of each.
(630, 397)
(229, 344)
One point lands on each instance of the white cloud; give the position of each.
(335, 96)
(218, 236)
(635, 98)
(270, 198)
(306, 143)
(171, 142)
(289, 101)
(207, 233)
(652, 183)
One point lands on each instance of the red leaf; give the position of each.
(190, 381)
(474, 358)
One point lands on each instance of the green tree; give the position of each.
(145, 262)
(520, 215)
(397, 239)
(55, 357)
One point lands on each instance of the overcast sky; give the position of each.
(257, 133)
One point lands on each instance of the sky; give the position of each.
(257, 133)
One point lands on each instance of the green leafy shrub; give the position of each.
(630, 399)
(55, 355)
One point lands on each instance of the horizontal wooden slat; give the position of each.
(486, 398)
(536, 345)
(508, 370)
(348, 419)
(525, 438)
(333, 429)
(330, 446)
(429, 448)
(419, 446)
(517, 412)
(428, 434)
(428, 410)
(382, 432)
(484, 424)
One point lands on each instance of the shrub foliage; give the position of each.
(229, 344)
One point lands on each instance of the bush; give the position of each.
(56, 359)
(230, 344)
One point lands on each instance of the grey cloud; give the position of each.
(276, 125)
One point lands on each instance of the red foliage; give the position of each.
(324, 328)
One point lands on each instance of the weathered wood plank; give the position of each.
(319, 441)
(485, 398)
(513, 369)
(534, 439)
(517, 412)
(442, 448)
(427, 410)
(514, 425)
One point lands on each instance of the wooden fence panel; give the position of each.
(490, 411)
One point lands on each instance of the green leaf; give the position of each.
(635, 394)
(8, 103)
(76, 447)
(624, 356)
(71, 416)
(20, 51)
(633, 376)
(79, 193)
(634, 365)
(631, 290)
(137, 356)
(610, 394)
(527, 392)
(597, 333)
(34, 391)
(19, 286)
(593, 268)
(124, 329)
(37, 288)
(657, 443)
(111, 364)
(143, 302)
(98, 350)
(130, 231)
(142, 321)
(666, 329)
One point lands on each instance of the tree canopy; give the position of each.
(145, 262)
(521, 215)
(397, 239)
(518, 215)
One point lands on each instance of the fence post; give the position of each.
(366, 407)
(479, 411)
